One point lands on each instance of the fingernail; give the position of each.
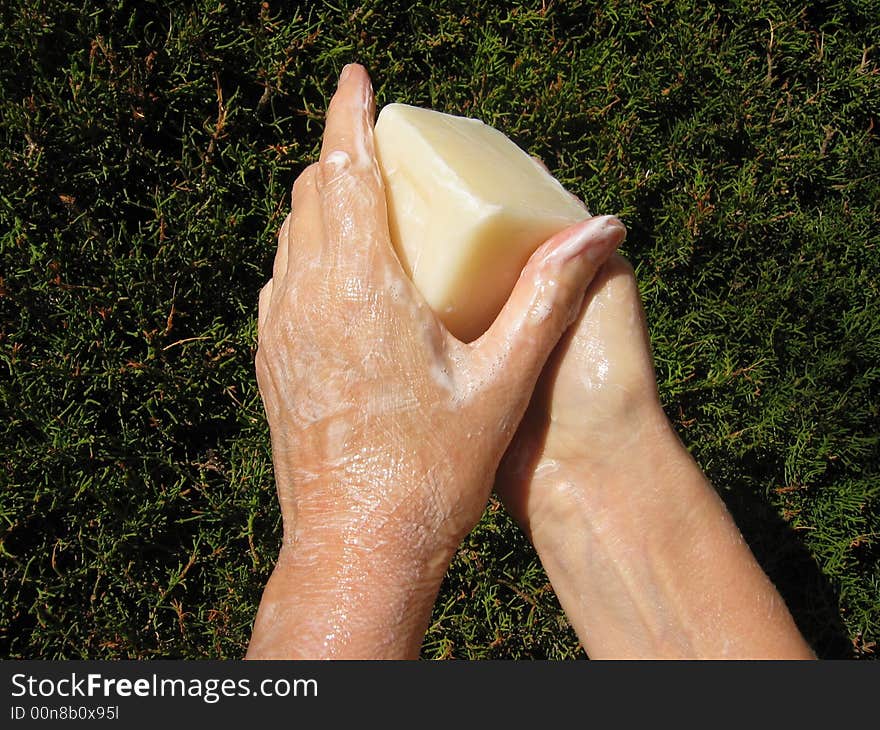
(346, 72)
(591, 239)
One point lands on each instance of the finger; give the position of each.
(546, 299)
(304, 190)
(611, 328)
(353, 198)
(348, 133)
(263, 308)
(307, 229)
(616, 275)
(279, 266)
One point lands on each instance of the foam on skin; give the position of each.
(466, 209)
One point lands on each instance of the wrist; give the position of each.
(348, 590)
(388, 498)
(626, 473)
(647, 562)
(389, 553)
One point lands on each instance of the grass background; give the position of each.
(146, 154)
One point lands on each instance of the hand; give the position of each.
(386, 430)
(642, 553)
(595, 401)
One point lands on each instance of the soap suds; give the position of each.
(541, 306)
(338, 160)
(440, 374)
(395, 285)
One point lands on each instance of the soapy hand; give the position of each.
(595, 401)
(386, 430)
(641, 552)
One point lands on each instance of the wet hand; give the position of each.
(386, 430)
(377, 413)
(596, 403)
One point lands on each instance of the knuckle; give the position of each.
(305, 181)
(333, 168)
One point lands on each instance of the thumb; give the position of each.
(545, 301)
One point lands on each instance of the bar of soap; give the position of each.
(466, 209)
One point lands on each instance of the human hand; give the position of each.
(386, 430)
(640, 550)
(595, 401)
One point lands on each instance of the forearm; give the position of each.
(647, 561)
(348, 599)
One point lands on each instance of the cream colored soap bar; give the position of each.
(466, 209)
